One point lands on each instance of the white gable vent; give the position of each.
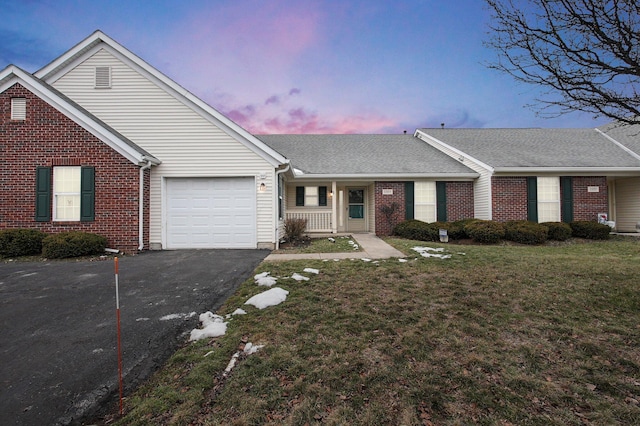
(103, 77)
(18, 108)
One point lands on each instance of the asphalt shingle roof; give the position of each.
(627, 135)
(501, 148)
(363, 154)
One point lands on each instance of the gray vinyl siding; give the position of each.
(627, 196)
(187, 144)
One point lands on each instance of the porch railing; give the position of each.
(317, 221)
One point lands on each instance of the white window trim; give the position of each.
(56, 194)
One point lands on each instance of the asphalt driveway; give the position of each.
(58, 357)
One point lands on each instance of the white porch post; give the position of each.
(334, 208)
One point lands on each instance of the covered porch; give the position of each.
(332, 207)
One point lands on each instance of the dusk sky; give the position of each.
(298, 66)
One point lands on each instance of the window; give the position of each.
(66, 193)
(425, 201)
(73, 190)
(18, 108)
(311, 196)
(548, 199)
(103, 77)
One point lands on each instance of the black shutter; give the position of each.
(566, 188)
(322, 195)
(87, 194)
(299, 195)
(441, 201)
(43, 194)
(409, 197)
(532, 199)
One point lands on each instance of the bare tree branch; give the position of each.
(586, 53)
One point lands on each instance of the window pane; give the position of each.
(356, 196)
(425, 212)
(67, 207)
(356, 211)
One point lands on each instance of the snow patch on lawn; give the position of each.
(429, 252)
(271, 297)
(212, 326)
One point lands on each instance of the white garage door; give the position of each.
(211, 213)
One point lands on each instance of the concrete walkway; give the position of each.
(372, 248)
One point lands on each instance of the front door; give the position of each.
(356, 216)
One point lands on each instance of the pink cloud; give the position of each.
(301, 120)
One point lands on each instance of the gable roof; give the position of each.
(365, 156)
(508, 150)
(12, 75)
(60, 66)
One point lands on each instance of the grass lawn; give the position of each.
(499, 335)
(342, 244)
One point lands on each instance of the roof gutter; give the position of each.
(388, 176)
(276, 199)
(567, 170)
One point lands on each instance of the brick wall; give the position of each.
(459, 201)
(384, 226)
(509, 198)
(48, 138)
(587, 205)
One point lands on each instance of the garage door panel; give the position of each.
(211, 213)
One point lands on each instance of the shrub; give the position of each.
(558, 231)
(72, 244)
(485, 231)
(414, 229)
(457, 229)
(590, 230)
(294, 228)
(525, 232)
(21, 242)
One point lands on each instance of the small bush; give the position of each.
(558, 231)
(590, 230)
(21, 242)
(72, 244)
(294, 228)
(414, 229)
(485, 231)
(525, 232)
(457, 229)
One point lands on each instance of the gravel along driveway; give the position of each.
(58, 357)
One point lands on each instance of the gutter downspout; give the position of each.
(141, 207)
(275, 205)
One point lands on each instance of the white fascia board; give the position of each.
(389, 176)
(100, 40)
(593, 171)
(461, 156)
(77, 116)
